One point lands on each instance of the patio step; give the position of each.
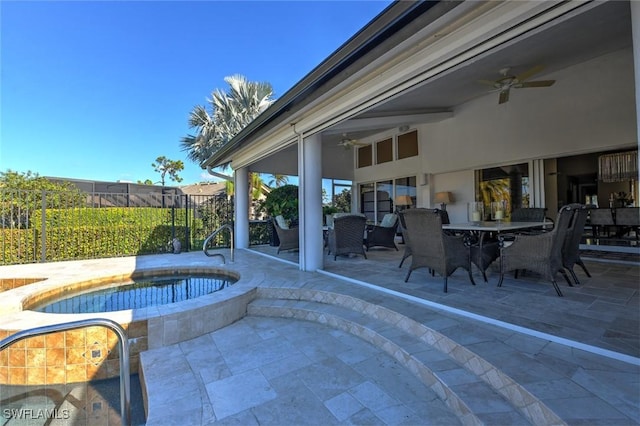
(475, 390)
(177, 397)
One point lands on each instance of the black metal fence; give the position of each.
(46, 226)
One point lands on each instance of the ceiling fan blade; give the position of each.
(504, 96)
(540, 83)
(488, 82)
(529, 73)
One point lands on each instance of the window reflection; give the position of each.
(509, 184)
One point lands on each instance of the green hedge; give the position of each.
(109, 216)
(19, 246)
(84, 233)
(88, 233)
(108, 241)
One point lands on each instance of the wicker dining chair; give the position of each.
(529, 214)
(628, 220)
(431, 247)
(485, 249)
(347, 235)
(601, 221)
(407, 248)
(289, 238)
(571, 247)
(541, 253)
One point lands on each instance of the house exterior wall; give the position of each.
(590, 108)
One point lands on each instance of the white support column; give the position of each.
(536, 179)
(635, 35)
(310, 203)
(241, 208)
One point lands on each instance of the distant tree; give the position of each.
(146, 182)
(325, 198)
(21, 192)
(32, 181)
(342, 201)
(230, 112)
(165, 166)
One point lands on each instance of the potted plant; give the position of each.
(281, 201)
(327, 211)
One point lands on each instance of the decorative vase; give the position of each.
(498, 210)
(475, 211)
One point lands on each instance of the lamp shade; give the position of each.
(443, 197)
(403, 200)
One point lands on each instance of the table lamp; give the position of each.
(443, 198)
(402, 202)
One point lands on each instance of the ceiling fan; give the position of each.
(348, 142)
(509, 81)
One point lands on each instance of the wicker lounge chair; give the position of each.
(431, 247)
(383, 235)
(405, 239)
(289, 238)
(347, 235)
(541, 253)
(571, 247)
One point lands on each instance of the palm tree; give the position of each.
(278, 180)
(231, 112)
(256, 186)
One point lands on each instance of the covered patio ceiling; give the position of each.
(572, 39)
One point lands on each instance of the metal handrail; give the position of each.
(125, 380)
(216, 232)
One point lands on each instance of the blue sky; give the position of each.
(97, 90)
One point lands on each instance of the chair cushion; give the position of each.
(389, 220)
(281, 222)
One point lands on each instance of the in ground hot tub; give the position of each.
(135, 293)
(215, 298)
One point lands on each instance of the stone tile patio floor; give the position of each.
(272, 367)
(281, 371)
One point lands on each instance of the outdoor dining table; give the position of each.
(480, 229)
(476, 232)
(497, 226)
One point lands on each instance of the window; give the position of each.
(368, 200)
(507, 183)
(365, 156)
(384, 192)
(337, 193)
(408, 145)
(384, 151)
(378, 198)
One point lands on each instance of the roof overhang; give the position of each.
(416, 62)
(339, 66)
